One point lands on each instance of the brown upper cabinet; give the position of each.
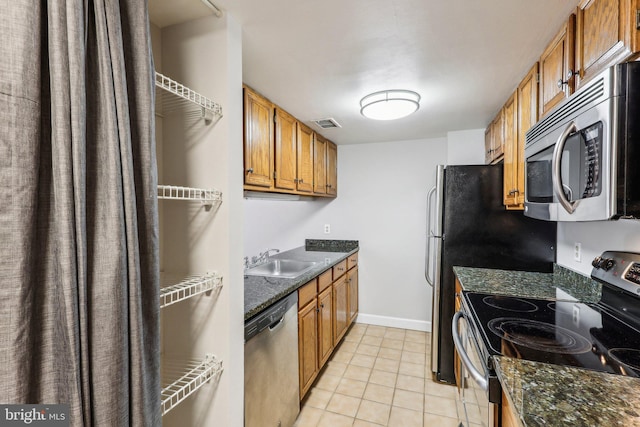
(518, 114)
(527, 117)
(601, 33)
(510, 135)
(304, 182)
(282, 155)
(320, 165)
(495, 142)
(332, 169)
(606, 34)
(286, 149)
(258, 140)
(556, 68)
(487, 144)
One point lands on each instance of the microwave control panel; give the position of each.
(592, 137)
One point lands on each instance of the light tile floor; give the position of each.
(380, 377)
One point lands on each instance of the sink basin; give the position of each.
(287, 268)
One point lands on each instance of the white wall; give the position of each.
(595, 237)
(465, 147)
(381, 202)
(206, 55)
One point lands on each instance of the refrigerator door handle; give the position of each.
(427, 256)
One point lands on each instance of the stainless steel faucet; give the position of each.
(260, 259)
(265, 255)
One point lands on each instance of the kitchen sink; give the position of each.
(286, 268)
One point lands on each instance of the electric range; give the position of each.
(604, 336)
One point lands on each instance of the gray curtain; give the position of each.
(79, 306)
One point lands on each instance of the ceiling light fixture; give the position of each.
(389, 104)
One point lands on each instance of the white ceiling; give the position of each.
(317, 59)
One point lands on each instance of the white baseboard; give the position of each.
(394, 322)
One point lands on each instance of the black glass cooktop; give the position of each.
(557, 332)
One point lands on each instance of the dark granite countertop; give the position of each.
(562, 284)
(552, 395)
(260, 292)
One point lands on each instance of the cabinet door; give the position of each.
(509, 417)
(319, 165)
(352, 279)
(258, 140)
(605, 35)
(510, 132)
(457, 363)
(352, 261)
(497, 138)
(308, 345)
(556, 68)
(305, 159)
(332, 168)
(340, 308)
(285, 150)
(527, 117)
(325, 326)
(488, 140)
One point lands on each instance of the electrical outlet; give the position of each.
(327, 228)
(577, 252)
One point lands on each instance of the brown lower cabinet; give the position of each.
(352, 281)
(340, 308)
(325, 325)
(307, 343)
(509, 417)
(327, 305)
(457, 363)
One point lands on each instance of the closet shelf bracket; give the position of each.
(179, 380)
(208, 197)
(178, 97)
(189, 287)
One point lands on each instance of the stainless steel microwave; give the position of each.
(583, 158)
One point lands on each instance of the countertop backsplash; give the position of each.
(330, 245)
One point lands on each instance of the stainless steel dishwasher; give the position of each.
(271, 395)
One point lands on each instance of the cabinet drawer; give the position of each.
(324, 280)
(352, 261)
(307, 293)
(339, 269)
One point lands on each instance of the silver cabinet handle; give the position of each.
(427, 256)
(557, 169)
(250, 170)
(561, 82)
(466, 361)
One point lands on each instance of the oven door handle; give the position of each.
(557, 168)
(466, 361)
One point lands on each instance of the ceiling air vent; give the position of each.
(327, 123)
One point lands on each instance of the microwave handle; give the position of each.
(557, 168)
(464, 357)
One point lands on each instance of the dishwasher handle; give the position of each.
(466, 361)
(276, 325)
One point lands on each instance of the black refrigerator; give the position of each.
(468, 226)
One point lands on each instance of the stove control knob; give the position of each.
(596, 262)
(608, 264)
